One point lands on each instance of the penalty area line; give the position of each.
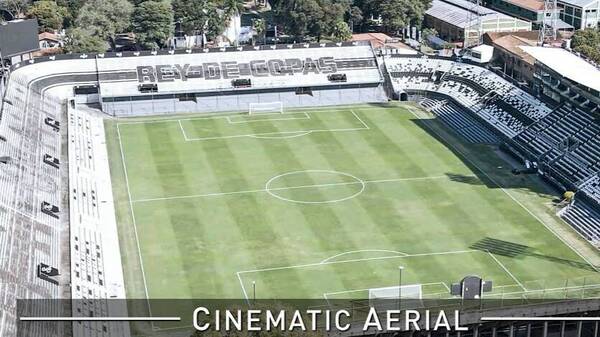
(357, 260)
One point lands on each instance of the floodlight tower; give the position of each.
(474, 20)
(548, 29)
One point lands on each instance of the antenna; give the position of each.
(548, 30)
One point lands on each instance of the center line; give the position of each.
(292, 188)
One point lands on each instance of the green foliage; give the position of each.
(105, 18)
(15, 7)
(73, 7)
(80, 40)
(152, 22)
(426, 34)
(49, 14)
(231, 7)
(394, 14)
(260, 27)
(317, 18)
(341, 32)
(311, 18)
(587, 42)
(198, 17)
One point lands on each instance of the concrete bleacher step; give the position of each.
(585, 219)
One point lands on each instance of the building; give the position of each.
(466, 22)
(528, 10)
(581, 14)
(18, 40)
(381, 40)
(509, 58)
(49, 41)
(565, 78)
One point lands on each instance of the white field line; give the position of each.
(182, 130)
(508, 271)
(224, 115)
(300, 134)
(360, 120)
(409, 108)
(243, 288)
(356, 260)
(295, 132)
(137, 240)
(263, 190)
(364, 251)
(305, 116)
(256, 135)
(367, 289)
(272, 133)
(542, 291)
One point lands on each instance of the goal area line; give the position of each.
(282, 134)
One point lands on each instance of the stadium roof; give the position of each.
(567, 64)
(534, 5)
(458, 12)
(579, 3)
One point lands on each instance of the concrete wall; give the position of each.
(210, 104)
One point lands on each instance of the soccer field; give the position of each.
(326, 202)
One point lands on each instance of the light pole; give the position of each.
(400, 268)
(253, 292)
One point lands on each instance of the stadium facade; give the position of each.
(45, 209)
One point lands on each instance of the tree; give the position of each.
(49, 14)
(152, 23)
(16, 8)
(587, 42)
(355, 15)
(428, 33)
(232, 8)
(260, 27)
(73, 7)
(341, 31)
(310, 18)
(199, 17)
(79, 40)
(105, 18)
(396, 14)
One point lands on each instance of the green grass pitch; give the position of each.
(328, 203)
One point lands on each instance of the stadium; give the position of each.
(301, 171)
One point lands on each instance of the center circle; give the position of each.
(315, 186)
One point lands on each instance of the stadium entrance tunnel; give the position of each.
(315, 186)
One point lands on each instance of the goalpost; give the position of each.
(265, 108)
(411, 296)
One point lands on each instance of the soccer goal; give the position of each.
(410, 295)
(265, 108)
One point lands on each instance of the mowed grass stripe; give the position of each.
(281, 154)
(401, 146)
(367, 208)
(256, 229)
(221, 235)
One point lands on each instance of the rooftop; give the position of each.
(579, 3)
(512, 43)
(378, 40)
(461, 13)
(567, 64)
(533, 5)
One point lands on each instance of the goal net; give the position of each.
(262, 108)
(410, 295)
